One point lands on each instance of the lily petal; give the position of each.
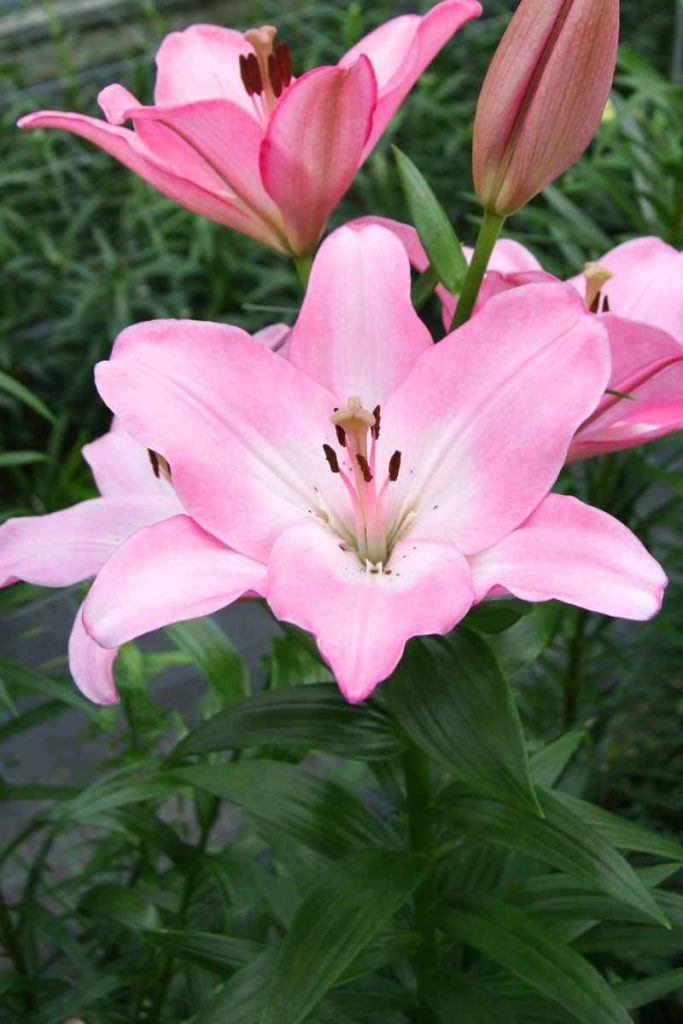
(125, 146)
(202, 63)
(71, 545)
(357, 333)
(362, 620)
(647, 364)
(400, 50)
(276, 337)
(120, 466)
(571, 552)
(215, 138)
(166, 573)
(313, 145)
(92, 667)
(241, 427)
(485, 419)
(647, 284)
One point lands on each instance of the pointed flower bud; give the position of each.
(543, 97)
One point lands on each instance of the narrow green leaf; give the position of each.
(215, 654)
(560, 840)
(623, 834)
(452, 699)
(436, 232)
(21, 458)
(315, 715)
(123, 906)
(351, 904)
(520, 944)
(36, 715)
(519, 647)
(549, 763)
(220, 953)
(241, 999)
(321, 814)
(634, 994)
(12, 387)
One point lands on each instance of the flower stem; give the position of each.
(303, 268)
(416, 766)
(12, 946)
(489, 234)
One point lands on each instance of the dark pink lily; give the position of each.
(233, 136)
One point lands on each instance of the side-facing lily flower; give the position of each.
(387, 482)
(234, 136)
(637, 292)
(67, 547)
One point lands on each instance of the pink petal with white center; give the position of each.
(121, 465)
(168, 572)
(125, 146)
(65, 547)
(574, 553)
(357, 333)
(241, 427)
(647, 364)
(400, 50)
(485, 419)
(91, 666)
(647, 284)
(313, 146)
(202, 63)
(362, 620)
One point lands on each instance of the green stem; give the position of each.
(489, 233)
(416, 766)
(12, 947)
(183, 909)
(572, 678)
(303, 268)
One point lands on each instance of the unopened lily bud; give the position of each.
(543, 97)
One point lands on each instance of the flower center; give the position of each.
(357, 435)
(597, 277)
(267, 72)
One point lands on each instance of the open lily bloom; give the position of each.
(638, 290)
(233, 136)
(72, 545)
(387, 483)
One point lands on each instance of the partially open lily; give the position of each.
(386, 483)
(235, 137)
(636, 290)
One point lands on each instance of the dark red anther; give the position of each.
(394, 466)
(364, 468)
(274, 75)
(251, 74)
(377, 413)
(595, 308)
(605, 305)
(283, 57)
(341, 435)
(331, 457)
(154, 459)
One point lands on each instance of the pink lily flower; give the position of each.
(233, 136)
(387, 483)
(640, 290)
(66, 547)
